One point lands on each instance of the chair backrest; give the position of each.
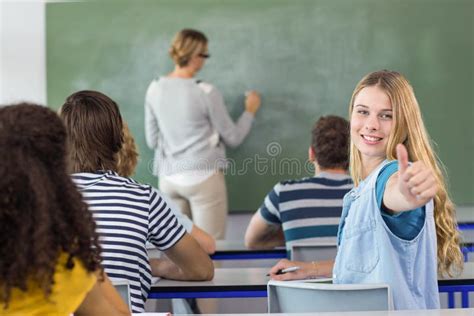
(321, 250)
(313, 296)
(123, 288)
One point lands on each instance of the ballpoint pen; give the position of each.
(283, 271)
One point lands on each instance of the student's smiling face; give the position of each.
(371, 123)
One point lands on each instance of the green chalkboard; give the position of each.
(305, 56)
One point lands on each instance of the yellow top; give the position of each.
(68, 292)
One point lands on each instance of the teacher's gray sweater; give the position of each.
(188, 126)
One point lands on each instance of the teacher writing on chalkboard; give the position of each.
(188, 126)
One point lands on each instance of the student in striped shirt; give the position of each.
(307, 209)
(127, 213)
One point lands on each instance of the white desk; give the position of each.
(227, 282)
(252, 282)
(437, 312)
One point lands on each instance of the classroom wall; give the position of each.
(22, 61)
(304, 56)
(22, 51)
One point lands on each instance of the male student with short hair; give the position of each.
(307, 209)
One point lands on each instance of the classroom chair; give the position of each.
(316, 296)
(123, 288)
(320, 250)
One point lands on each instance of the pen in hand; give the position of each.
(283, 271)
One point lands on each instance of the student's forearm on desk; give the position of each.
(188, 261)
(261, 235)
(307, 270)
(166, 269)
(206, 241)
(272, 240)
(322, 268)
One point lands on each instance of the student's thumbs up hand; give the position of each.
(416, 182)
(402, 156)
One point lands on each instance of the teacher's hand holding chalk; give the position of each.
(252, 101)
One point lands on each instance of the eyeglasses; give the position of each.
(204, 55)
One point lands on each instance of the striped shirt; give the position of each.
(127, 215)
(308, 209)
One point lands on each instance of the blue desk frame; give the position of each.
(281, 253)
(466, 248)
(249, 254)
(453, 286)
(466, 226)
(253, 291)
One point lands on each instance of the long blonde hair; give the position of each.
(408, 128)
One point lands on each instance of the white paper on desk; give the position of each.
(155, 280)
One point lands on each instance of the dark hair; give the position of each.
(42, 215)
(94, 128)
(330, 142)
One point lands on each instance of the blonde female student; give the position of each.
(397, 225)
(49, 252)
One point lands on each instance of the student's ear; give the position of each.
(311, 155)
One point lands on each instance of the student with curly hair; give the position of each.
(127, 213)
(49, 250)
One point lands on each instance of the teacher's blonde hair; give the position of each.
(408, 128)
(186, 44)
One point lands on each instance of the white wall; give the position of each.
(22, 51)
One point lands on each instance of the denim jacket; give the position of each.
(368, 252)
